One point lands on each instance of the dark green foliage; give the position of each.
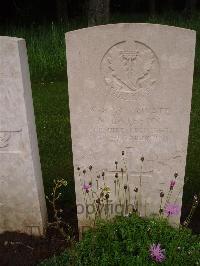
(126, 241)
(54, 136)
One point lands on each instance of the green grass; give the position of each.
(46, 51)
(128, 240)
(54, 137)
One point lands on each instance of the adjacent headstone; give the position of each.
(130, 89)
(22, 201)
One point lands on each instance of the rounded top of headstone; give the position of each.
(126, 26)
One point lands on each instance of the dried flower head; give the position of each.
(103, 173)
(157, 254)
(195, 200)
(142, 158)
(107, 196)
(90, 167)
(122, 152)
(116, 175)
(195, 197)
(78, 168)
(125, 187)
(172, 209)
(136, 189)
(84, 171)
(175, 174)
(61, 182)
(162, 194)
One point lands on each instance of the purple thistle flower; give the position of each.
(157, 254)
(172, 209)
(172, 184)
(86, 187)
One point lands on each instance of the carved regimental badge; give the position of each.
(129, 67)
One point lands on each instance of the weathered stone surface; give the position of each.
(130, 89)
(22, 202)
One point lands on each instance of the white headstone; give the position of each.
(130, 89)
(22, 201)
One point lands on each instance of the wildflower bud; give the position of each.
(142, 159)
(122, 152)
(107, 196)
(103, 174)
(175, 174)
(98, 201)
(116, 162)
(78, 168)
(116, 175)
(172, 184)
(136, 189)
(90, 167)
(87, 191)
(115, 181)
(162, 194)
(161, 210)
(90, 183)
(84, 171)
(125, 187)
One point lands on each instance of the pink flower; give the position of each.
(171, 209)
(172, 184)
(157, 254)
(86, 187)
